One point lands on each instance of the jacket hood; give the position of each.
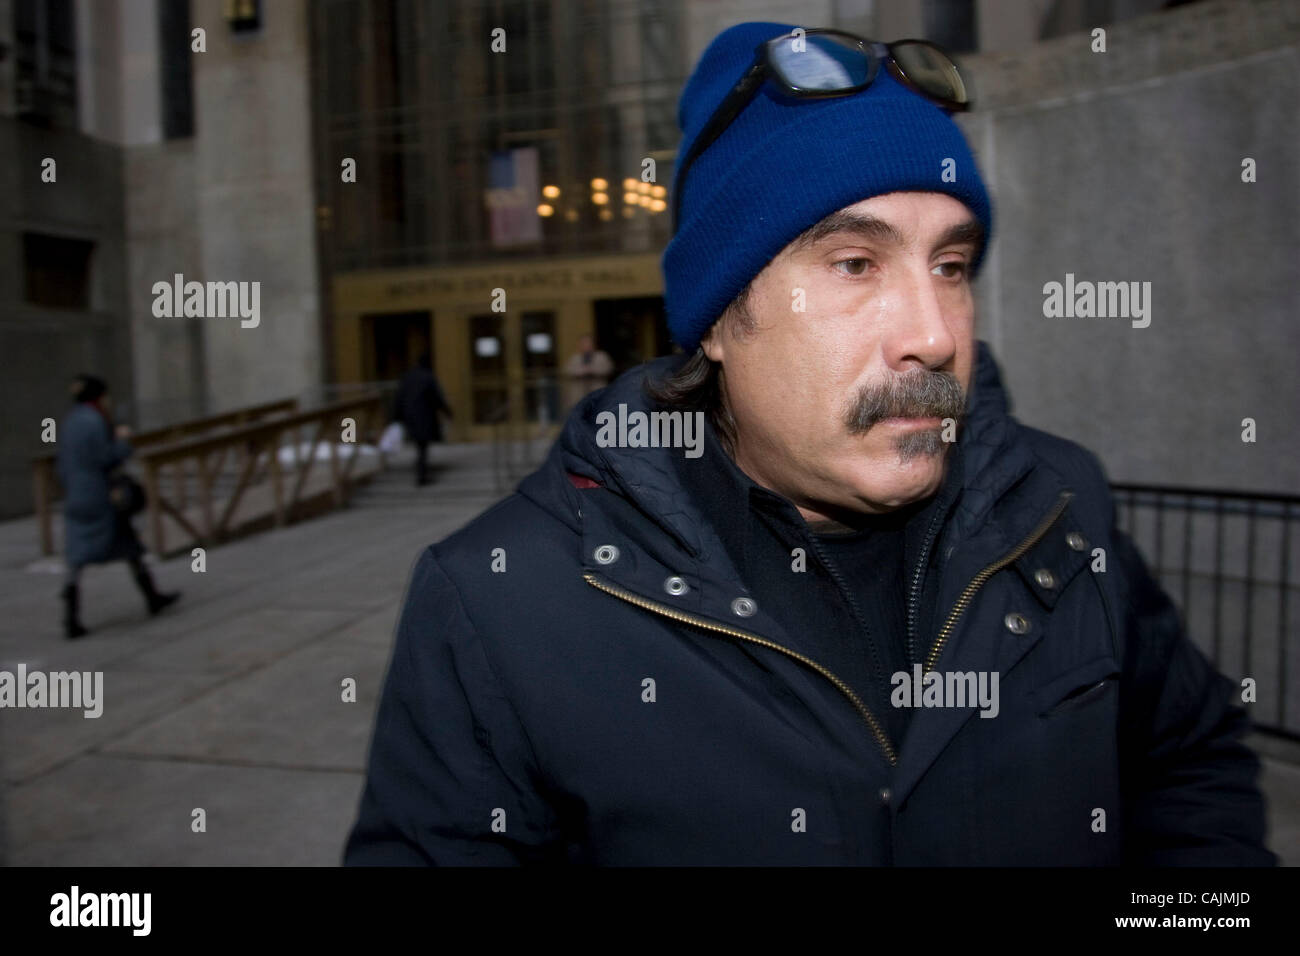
(650, 478)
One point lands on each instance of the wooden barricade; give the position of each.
(184, 477)
(45, 484)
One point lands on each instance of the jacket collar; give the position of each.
(649, 481)
(732, 500)
(652, 478)
(999, 497)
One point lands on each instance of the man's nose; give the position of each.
(920, 334)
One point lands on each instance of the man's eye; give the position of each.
(956, 269)
(856, 266)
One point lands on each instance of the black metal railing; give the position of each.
(519, 443)
(1225, 558)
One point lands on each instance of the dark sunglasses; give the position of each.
(824, 63)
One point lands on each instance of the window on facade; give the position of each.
(174, 59)
(410, 90)
(243, 15)
(527, 66)
(951, 24)
(45, 61)
(56, 271)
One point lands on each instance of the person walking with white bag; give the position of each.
(420, 399)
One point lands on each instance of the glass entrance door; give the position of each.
(489, 378)
(513, 373)
(540, 368)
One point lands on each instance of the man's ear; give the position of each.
(712, 342)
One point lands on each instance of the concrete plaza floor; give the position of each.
(231, 701)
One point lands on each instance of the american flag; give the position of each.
(513, 195)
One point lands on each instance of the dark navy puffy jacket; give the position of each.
(515, 725)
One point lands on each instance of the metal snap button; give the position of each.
(885, 796)
(675, 585)
(606, 554)
(743, 607)
(1076, 541)
(1016, 623)
(1045, 578)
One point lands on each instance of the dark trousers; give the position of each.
(72, 576)
(421, 462)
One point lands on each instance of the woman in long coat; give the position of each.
(89, 450)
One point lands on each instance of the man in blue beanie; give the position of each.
(807, 593)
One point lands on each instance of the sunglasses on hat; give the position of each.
(818, 64)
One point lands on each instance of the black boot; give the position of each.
(155, 600)
(71, 625)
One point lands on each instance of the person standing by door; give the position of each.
(588, 369)
(420, 399)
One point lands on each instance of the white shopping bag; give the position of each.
(390, 442)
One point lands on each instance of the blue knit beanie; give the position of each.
(784, 164)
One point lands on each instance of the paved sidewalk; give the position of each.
(231, 701)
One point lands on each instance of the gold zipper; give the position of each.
(881, 737)
(977, 582)
(957, 610)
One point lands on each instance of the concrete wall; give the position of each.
(254, 201)
(44, 347)
(1127, 166)
(163, 239)
(232, 203)
(162, 230)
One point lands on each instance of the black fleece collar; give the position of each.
(735, 503)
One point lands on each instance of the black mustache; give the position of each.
(918, 393)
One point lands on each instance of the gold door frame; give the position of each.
(573, 318)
